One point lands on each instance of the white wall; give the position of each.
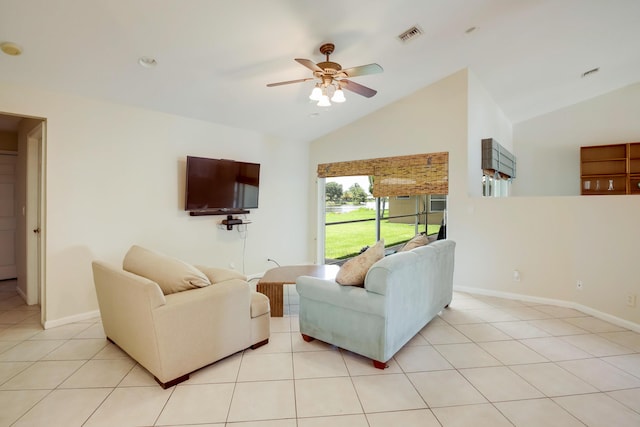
(115, 177)
(552, 241)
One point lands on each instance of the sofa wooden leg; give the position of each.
(260, 344)
(307, 338)
(172, 382)
(379, 365)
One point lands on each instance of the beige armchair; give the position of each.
(175, 334)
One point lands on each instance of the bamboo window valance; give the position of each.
(397, 176)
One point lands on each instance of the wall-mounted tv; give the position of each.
(215, 186)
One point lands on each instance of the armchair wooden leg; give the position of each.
(260, 344)
(172, 382)
(307, 338)
(379, 365)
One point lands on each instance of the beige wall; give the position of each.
(115, 177)
(552, 241)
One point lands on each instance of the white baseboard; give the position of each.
(21, 293)
(569, 304)
(71, 319)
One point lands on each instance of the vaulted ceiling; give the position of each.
(214, 58)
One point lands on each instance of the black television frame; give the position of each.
(222, 210)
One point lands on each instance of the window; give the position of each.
(437, 203)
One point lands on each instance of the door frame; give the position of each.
(35, 212)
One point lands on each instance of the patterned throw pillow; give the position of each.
(353, 272)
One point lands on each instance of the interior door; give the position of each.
(7, 217)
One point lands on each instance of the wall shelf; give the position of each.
(610, 169)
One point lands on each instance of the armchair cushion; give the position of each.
(354, 271)
(172, 275)
(217, 275)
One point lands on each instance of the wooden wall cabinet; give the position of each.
(610, 169)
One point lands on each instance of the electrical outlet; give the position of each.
(232, 266)
(516, 275)
(631, 300)
(579, 285)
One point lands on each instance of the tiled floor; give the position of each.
(483, 362)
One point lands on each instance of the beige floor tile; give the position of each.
(19, 332)
(526, 313)
(628, 339)
(279, 342)
(520, 330)
(64, 332)
(42, 375)
(359, 365)
(601, 375)
(421, 358)
(557, 327)
(560, 312)
(469, 355)
(380, 393)
(64, 408)
(555, 349)
(417, 340)
(455, 316)
(334, 421)
(326, 396)
(197, 404)
(469, 304)
(15, 316)
(138, 377)
(480, 332)
(629, 363)
(512, 352)
(594, 325)
(267, 400)
(99, 373)
(264, 367)
(295, 322)
(318, 364)
(499, 384)
(77, 350)
(596, 345)
(30, 351)
(472, 415)
(130, 406)
(599, 410)
(111, 351)
(537, 413)
(630, 398)
(445, 388)
(281, 324)
(93, 331)
(415, 418)
(13, 404)
(552, 380)
(493, 315)
(268, 423)
(443, 334)
(11, 369)
(223, 371)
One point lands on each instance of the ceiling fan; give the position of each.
(332, 78)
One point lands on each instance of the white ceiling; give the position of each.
(216, 57)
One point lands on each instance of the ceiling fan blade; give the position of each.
(357, 88)
(309, 64)
(362, 70)
(288, 82)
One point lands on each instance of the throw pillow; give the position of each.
(171, 274)
(353, 272)
(417, 241)
(217, 275)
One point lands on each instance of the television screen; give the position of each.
(214, 184)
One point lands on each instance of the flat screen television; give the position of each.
(221, 186)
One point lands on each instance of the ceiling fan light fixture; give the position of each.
(324, 101)
(316, 93)
(338, 96)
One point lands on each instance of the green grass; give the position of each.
(346, 240)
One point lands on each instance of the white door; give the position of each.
(7, 217)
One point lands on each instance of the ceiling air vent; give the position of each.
(410, 34)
